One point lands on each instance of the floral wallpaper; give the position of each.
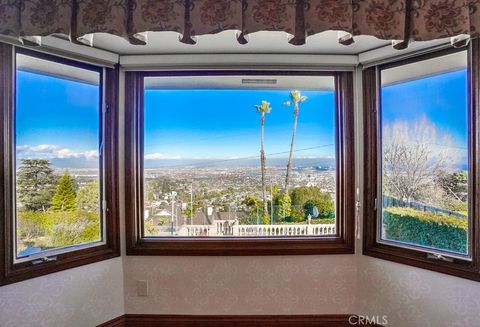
(80, 297)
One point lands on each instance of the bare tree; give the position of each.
(414, 156)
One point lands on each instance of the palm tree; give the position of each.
(296, 97)
(263, 109)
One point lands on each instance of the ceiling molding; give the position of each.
(236, 61)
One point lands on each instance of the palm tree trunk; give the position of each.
(292, 146)
(262, 163)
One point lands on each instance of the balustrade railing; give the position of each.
(222, 229)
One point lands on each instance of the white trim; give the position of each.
(387, 54)
(236, 61)
(64, 48)
(55, 251)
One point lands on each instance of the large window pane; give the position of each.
(425, 157)
(57, 138)
(204, 173)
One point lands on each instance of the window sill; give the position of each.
(241, 247)
(22, 271)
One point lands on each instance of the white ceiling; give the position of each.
(226, 42)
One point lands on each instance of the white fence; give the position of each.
(222, 229)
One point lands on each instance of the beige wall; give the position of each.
(243, 285)
(80, 297)
(413, 297)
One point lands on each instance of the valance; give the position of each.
(398, 20)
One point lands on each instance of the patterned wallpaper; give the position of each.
(415, 297)
(242, 285)
(92, 294)
(302, 285)
(80, 297)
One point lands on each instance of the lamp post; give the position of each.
(191, 203)
(271, 204)
(172, 198)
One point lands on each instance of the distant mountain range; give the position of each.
(322, 163)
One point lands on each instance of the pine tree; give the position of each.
(64, 198)
(35, 184)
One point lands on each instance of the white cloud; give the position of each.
(48, 151)
(154, 156)
(159, 156)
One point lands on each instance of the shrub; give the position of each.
(426, 228)
(56, 229)
(265, 219)
(150, 227)
(75, 228)
(305, 198)
(34, 224)
(325, 221)
(284, 203)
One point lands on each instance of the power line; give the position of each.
(208, 163)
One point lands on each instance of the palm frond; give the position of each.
(264, 107)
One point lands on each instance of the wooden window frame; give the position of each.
(342, 243)
(11, 271)
(459, 267)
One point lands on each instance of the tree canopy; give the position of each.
(308, 197)
(88, 197)
(35, 184)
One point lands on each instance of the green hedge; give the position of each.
(426, 228)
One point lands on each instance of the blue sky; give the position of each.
(442, 99)
(212, 124)
(58, 119)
